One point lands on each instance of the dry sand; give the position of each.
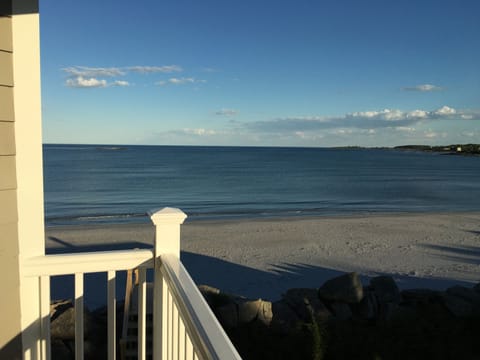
(265, 257)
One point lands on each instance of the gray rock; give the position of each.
(214, 297)
(466, 294)
(228, 315)
(341, 311)
(62, 320)
(248, 310)
(298, 299)
(477, 288)
(385, 289)
(458, 306)
(60, 351)
(345, 288)
(265, 313)
(284, 318)
(416, 297)
(386, 310)
(368, 307)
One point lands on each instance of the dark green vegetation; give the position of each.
(431, 333)
(459, 149)
(454, 149)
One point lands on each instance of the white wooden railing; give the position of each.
(184, 327)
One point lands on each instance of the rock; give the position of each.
(298, 299)
(386, 310)
(477, 288)
(345, 288)
(265, 314)
(466, 294)
(60, 350)
(415, 297)
(214, 297)
(248, 310)
(367, 308)
(458, 306)
(207, 290)
(341, 311)
(284, 318)
(385, 289)
(228, 315)
(62, 320)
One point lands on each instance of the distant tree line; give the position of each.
(452, 149)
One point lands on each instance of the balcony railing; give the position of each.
(184, 327)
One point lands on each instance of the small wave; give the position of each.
(95, 219)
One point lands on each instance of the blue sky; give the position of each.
(271, 73)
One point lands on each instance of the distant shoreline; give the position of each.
(467, 148)
(454, 149)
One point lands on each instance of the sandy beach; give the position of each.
(262, 258)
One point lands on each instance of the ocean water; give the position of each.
(88, 184)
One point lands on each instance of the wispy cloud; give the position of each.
(226, 112)
(387, 118)
(180, 81)
(423, 88)
(120, 83)
(209, 70)
(155, 69)
(91, 77)
(85, 71)
(81, 82)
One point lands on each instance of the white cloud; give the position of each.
(85, 71)
(423, 88)
(387, 118)
(119, 71)
(121, 83)
(89, 77)
(155, 69)
(81, 82)
(180, 81)
(445, 110)
(405, 129)
(226, 112)
(200, 132)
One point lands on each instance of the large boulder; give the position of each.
(62, 320)
(385, 289)
(465, 293)
(240, 311)
(284, 318)
(341, 311)
(346, 288)
(477, 287)
(367, 308)
(304, 301)
(457, 305)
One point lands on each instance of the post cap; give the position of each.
(167, 215)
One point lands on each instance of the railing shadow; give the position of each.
(254, 283)
(240, 279)
(457, 253)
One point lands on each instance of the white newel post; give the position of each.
(167, 223)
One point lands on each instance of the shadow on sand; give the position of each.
(230, 277)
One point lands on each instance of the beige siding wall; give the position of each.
(10, 304)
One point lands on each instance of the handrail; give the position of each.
(205, 331)
(184, 326)
(87, 262)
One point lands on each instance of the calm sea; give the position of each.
(87, 184)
